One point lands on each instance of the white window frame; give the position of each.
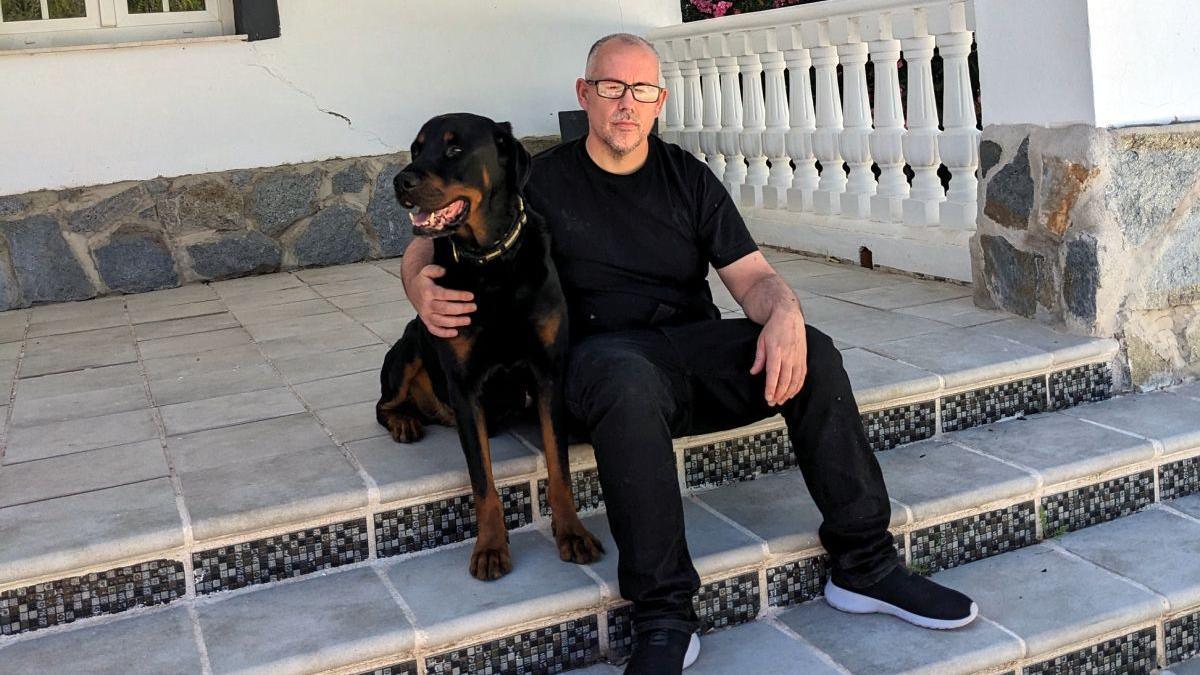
(109, 22)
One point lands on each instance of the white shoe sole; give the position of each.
(693, 651)
(854, 603)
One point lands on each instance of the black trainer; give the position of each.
(663, 651)
(908, 596)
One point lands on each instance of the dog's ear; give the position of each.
(517, 160)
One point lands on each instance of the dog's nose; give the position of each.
(407, 180)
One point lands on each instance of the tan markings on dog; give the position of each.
(485, 178)
(547, 328)
(421, 137)
(411, 371)
(558, 488)
(446, 137)
(490, 559)
(461, 347)
(428, 402)
(572, 539)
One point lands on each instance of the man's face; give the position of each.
(621, 124)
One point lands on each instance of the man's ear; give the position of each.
(516, 159)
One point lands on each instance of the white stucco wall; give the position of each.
(1107, 63)
(99, 116)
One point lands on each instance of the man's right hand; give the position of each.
(442, 310)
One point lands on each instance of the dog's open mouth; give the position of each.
(439, 222)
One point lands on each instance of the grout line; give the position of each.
(1033, 473)
(1159, 448)
(1005, 629)
(771, 618)
(732, 523)
(198, 634)
(420, 637)
(1162, 599)
(1164, 506)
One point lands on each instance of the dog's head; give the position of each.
(466, 173)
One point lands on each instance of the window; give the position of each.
(40, 24)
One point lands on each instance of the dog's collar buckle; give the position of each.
(500, 248)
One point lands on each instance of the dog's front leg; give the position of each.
(490, 559)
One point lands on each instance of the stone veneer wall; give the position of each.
(1097, 230)
(137, 236)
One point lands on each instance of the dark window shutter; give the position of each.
(256, 19)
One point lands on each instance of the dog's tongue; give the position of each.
(439, 218)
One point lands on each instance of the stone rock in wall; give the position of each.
(209, 205)
(12, 206)
(1062, 183)
(46, 268)
(234, 255)
(8, 287)
(1150, 174)
(350, 179)
(1081, 277)
(280, 199)
(123, 205)
(135, 262)
(1012, 276)
(385, 215)
(1175, 278)
(989, 156)
(332, 238)
(1009, 199)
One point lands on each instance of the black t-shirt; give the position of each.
(633, 250)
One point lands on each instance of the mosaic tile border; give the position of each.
(280, 557)
(445, 521)
(1081, 384)
(1096, 503)
(798, 581)
(550, 649)
(1182, 638)
(1131, 653)
(585, 488)
(62, 601)
(990, 404)
(738, 459)
(405, 668)
(891, 427)
(983, 535)
(1179, 479)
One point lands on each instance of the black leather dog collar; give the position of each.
(496, 251)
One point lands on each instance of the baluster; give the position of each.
(671, 119)
(729, 138)
(802, 120)
(856, 106)
(774, 137)
(711, 120)
(959, 142)
(689, 99)
(826, 200)
(753, 119)
(921, 141)
(887, 138)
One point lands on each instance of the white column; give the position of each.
(802, 120)
(711, 133)
(856, 107)
(671, 119)
(754, 119)
(959, 142)
(921, 142)
(826, 138)
(729, 138)
(689, 99)
(774, 138)
(886, 139)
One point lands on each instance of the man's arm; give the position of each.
(769, 301)
(441, 309)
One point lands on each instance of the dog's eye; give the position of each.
(453, 151)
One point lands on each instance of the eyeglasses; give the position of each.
(644, 93)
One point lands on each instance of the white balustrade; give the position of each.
(886, 139)
(959, 141)
(754, 119)
(729, 139)
(774, 138)
(856, 111)
(672, 115)
(709, 137)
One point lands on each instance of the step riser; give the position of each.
(426, 525)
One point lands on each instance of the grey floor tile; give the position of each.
(28, 411)
(319, 342)
(205, 323)
(715, 545)
(83, 309)
(435, 463)
(399, 310)
(799, 270)
(873, 643)
(61, 353)
(1172, 419)
(860, 326)
(256, 284)
(161, 313)
(1155, 548)
(934, 478)
(352, 422)
(79, 381)
(1050, 599)
(389, 331)
(758, 648)
(1058, 447)
(81, 472)
(323, 622)
(250, 441)
(271, 298)
(905, 294)
(193, 343)
(390, 265)
(59, 535)
(1065, 347)
(1186, 668)
(291, 310)
(341, 390)
(960, 312)
(8, 371)
(9, 351)
(256, 494)
(964, 358)
(1191, 390)
(167, 297)
(877, 379)
(299, 369)
(151, 643)
(778, 509)
(339, 273)
(223, 411)
(449, 604)
(372, 283)
(60, 438)
(77, 324)
(215, 383)
(840, 281)
(777, 255)
(376, 297)
(1189, 505)
(200, 363)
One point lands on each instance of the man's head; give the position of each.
(621, 124)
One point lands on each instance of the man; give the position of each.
(636, 223)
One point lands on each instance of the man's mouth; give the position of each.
(443, 220)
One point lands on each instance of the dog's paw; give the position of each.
(577, 545)
(405, 429)
(490, 562)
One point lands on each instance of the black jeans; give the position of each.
(633, 391)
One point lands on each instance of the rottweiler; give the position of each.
(464, 188)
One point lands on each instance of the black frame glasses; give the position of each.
(644, 87)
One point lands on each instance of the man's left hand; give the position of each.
(783, 350)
